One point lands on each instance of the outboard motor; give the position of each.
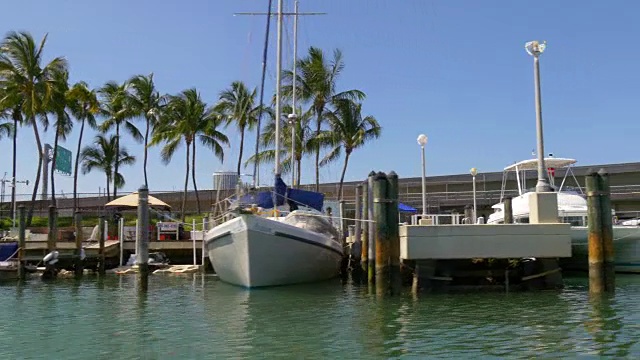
(50, 271)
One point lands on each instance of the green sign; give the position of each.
(63, 161)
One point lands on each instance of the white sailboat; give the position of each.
(251, 250)
(572, 208)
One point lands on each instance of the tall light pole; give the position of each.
(474, 172)
(535, 49)
(422, 141)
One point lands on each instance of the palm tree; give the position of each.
(63, 124)
(84, 105)
(6, 127)
(114, 108)
(10, 108)
(237, 104)
(145, 100)
(316, 83)
(24, 77)
(349, 130)
(304, 143)
(187, 118)
(102, 155)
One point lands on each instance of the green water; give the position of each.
(195, 317)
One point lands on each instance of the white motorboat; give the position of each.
(251, 250)
(572, 208)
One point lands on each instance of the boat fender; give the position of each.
(51, 256)
(83, 255)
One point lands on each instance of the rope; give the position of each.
(12, 255)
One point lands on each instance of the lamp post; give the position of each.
(422, 141)
(474, 172)
(535, 49)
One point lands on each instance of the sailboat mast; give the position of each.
(278, 84)
(294, 83)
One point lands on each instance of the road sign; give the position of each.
(63, 161)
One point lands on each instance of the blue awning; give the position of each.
(406, 208)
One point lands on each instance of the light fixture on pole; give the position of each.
(535, 49)
(422, 141)
(474, 172)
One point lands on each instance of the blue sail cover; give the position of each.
(264, 199)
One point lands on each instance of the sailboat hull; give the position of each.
(252, 251)
(626, 244)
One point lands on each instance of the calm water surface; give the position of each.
(196, 317)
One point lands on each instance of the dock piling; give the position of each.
(381, 234)
(22, 243)
(193, 241)
(78, 250)
(371, 248)
(142, 246)
(607, 230)
(393, 232)
(52, 237)
(365, 228)
(358, 224)
(121, 239)
(508, 210)
(596, 253)
(101, 257)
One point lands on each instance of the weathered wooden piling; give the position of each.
(22, 242)
(596, 253)
(101, 257)
(381, 234)
(607, 231)
(358, 224)
(142, 247)
(52, 236)
(371, 251)
(78, 250)
(364, 258)
(393, 229)
(508, 210)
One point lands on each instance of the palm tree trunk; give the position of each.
(344, 170)
(75, 171)
(146, 142)
(37, 182)
(13, 170)
(108, 188)
(193, 176)
(186, 183)
(115, 170)
(241, 148)
(319, 123)
(53, 166)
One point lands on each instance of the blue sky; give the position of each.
(455, 70)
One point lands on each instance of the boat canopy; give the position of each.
(549, 162)
(406, 208)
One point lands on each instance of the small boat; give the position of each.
(572, 209)
(257, 250)
(254, 249)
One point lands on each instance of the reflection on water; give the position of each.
(199, 317)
